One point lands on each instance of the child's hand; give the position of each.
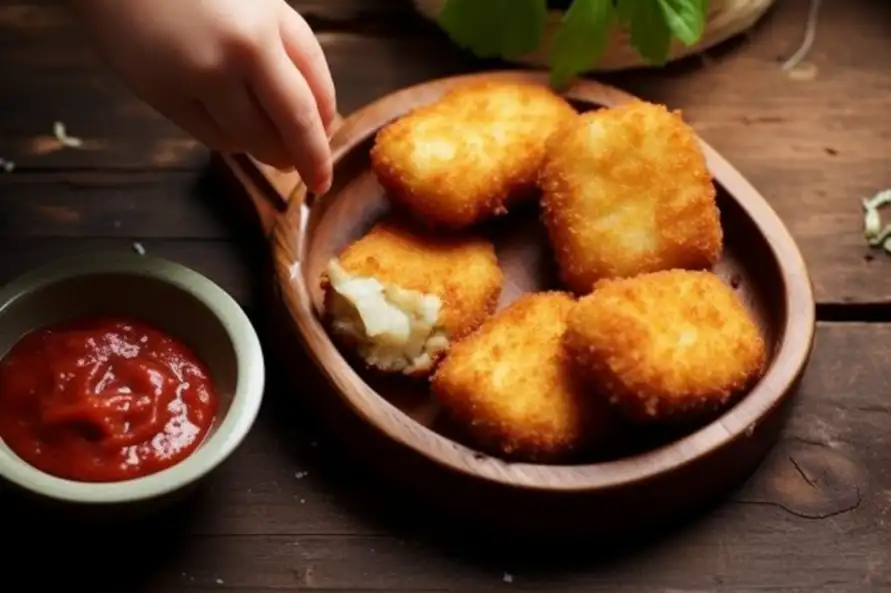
(239, 75)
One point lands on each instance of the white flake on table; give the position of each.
(876, 234)
(61, 134)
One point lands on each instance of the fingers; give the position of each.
(289, 101)
(303, 48)
(238, 114)
(194, 119)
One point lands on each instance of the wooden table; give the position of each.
(291, 511)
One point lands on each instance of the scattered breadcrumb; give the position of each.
(138, 248)
(301, 475)
(64, 139)
(218, 581)
(803, 72)
(7, 166)
(508, 577)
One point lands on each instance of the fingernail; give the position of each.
(324, 188)
(332, 122)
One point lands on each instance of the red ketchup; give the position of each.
(104, 400)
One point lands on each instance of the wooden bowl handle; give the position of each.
(269, 190)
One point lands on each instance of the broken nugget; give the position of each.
(400, 298)
(667, 346)
(626, 191)
(470, 155)
(509, 385)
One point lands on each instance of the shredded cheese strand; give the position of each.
(810, 35)
(64, 139)
(873, 231)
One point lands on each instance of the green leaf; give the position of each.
(650, 34)
(624, 12)
(495, 28)
(581, 38)
(685, 18)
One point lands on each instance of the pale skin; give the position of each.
(238, 75)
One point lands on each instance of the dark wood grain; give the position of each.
(813, 519)
(169, 204)
(816, 517)
(329, 12)
(230, 264)
(813, 148)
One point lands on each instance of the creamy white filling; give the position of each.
(395, 329)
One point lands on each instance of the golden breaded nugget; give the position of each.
(510, 387)
(665, 346)
(401, 298)
(626, 191)
(470, 155)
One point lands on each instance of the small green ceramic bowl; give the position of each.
(177, 300)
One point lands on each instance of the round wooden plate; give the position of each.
(665, 477)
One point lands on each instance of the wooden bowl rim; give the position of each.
(790, 358)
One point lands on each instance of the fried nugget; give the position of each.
(626, 191)
(509, 386)
(470, 155)
(670, 346)
(401, 298)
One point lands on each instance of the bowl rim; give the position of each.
(235, 425)
(791, 354)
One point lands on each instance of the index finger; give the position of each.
(304, 49)
(289, 102)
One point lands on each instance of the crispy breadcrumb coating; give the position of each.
(402, 278)
(472, 154)
(626, 191)
(666, 346)
(509, 386)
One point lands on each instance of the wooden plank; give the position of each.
(349, 9)
(81, 204)
(333, 11)
(232, 265)
(121, 132)
(813, 519)
(814, 148)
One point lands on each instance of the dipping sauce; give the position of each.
(104, 400)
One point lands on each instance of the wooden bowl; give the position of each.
(671, 474)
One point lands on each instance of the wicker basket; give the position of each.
(726, 19)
